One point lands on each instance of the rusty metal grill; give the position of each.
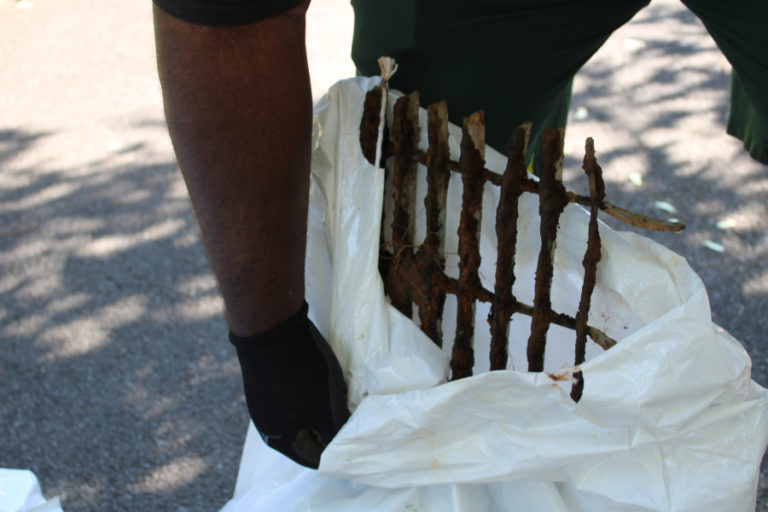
(416, 274)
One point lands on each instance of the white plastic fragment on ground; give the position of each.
(669, 419)
(713, 246)
(636, 179)
(727, 223)
(20, 492)
(665, 206)
(633, 44)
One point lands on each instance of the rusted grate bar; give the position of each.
(405, 137)
(591, 258)
(552, 202)
(433, 249)
(504, 303)
(471, 163)
(416, 274)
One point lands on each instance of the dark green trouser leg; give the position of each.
(739, 29)
(745, 123)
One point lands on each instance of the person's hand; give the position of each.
(294, 388)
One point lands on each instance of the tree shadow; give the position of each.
(120, 389)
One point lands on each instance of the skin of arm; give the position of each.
(239, 111)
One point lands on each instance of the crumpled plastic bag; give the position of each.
(669, 419)
(20, 492)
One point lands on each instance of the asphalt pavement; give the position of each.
(119, 388)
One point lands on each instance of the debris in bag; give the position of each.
(416, 274)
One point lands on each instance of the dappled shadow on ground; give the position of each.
(119, 388)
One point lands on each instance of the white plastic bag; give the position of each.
(20, 492)
(669, 419)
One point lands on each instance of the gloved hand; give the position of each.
(294, 388)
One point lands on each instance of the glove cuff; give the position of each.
(279, 332)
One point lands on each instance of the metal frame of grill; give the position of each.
(416, 274)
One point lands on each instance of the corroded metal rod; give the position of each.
(591, 258)
(369, 124)
(552, 202)
(634, 219)
(638, 219)
(405, 137)
(503, 306)
(472, 164)
(431, 313)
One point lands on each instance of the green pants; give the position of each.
(516, 59)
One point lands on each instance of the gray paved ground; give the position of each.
(119, 389)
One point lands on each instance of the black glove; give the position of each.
(294, 388)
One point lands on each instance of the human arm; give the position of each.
(238, 107)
